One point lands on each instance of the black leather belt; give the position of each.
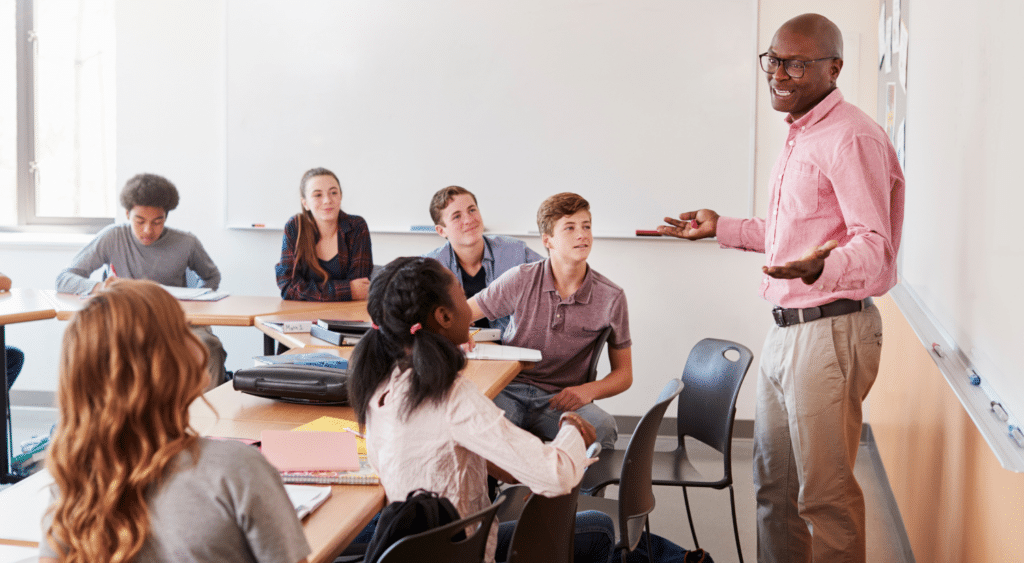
(788, 317)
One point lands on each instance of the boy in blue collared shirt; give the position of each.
(475, 259)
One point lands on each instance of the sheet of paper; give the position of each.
(896, 19)
(307, 498)
(904, 47)
(23, 506)
(510, 353)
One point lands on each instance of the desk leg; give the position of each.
(268, 345)
(6, 441)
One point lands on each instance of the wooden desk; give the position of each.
(233, 310)
(347, 311)
(351, 507)
(17, 306)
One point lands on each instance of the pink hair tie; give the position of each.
(374, 326)
(414, 328)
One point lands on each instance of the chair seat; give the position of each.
(669, 468)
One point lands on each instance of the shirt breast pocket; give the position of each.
(799, 190)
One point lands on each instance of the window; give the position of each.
(57, 130)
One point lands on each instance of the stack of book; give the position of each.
(339, 333)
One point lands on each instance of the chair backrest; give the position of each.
(546, 530)
(596, 355)
(514, 500)
(438, 545)
(636, 495)
(708, 408)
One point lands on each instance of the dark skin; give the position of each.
(806, 38)
(452, 322)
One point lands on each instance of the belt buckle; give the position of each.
(780, 318)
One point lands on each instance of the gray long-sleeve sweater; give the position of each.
(164, 261)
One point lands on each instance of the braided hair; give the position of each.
(405, 294)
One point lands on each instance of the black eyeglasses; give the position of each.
(794, 67)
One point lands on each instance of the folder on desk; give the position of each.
(310, 451)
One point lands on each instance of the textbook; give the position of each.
(336, 338)
(310, 451)
(352, 328)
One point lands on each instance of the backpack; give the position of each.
(420, 511)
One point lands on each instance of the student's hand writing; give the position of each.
(586, 429)
(360, 288)
(103, 285)
(808, 268)
(692, 225)
(571, 398)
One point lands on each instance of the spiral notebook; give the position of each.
(365, 475)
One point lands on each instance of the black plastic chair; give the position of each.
(636, 493)
(596, 355)
(707, 411)
(438, 545)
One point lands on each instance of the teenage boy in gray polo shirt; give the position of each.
(144, 249)
(475, 259)
(560, 306)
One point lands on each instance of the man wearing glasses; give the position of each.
(831, 237)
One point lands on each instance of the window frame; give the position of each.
(27, 177)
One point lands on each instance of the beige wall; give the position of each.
(957, 502)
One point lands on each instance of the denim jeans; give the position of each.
(527, 407)
(595, 537)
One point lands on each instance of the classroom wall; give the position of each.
(171, 121)
(957, 502)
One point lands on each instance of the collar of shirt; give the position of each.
(818, 112)
(582, 294)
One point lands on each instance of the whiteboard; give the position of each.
(961, 257)
(645, 107)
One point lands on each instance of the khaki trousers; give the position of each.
(811, 383)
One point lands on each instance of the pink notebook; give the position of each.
(288, 450)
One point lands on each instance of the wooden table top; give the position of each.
(21, 305)
(233, 310)
(333, 526)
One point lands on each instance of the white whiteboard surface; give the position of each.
(645, 107)
(962, 260)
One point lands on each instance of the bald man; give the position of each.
(831, 237)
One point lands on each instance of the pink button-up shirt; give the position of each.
(837, 179)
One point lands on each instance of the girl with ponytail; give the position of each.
(427, 427)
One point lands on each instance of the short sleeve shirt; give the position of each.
(564, 330)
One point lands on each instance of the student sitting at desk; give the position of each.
(560, 306)
(428, 427)
(133, 480)
(475, 259)
(145, 249)
(325, 252)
